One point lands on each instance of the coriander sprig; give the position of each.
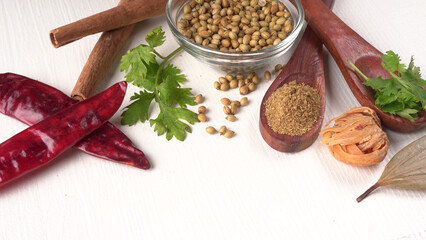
(162, 83)
(403, 94)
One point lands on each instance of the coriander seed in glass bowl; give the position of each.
(235, 35)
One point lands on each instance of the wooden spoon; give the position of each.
(305, 66)
(345, 44)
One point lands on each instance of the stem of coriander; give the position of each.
(160, 68)
(357, 70)
(158, 54)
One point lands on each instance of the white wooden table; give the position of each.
(206, 187)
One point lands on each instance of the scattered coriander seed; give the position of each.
(233, 84)
(216, 85)
(202, 109)
(229, 134)
(278, 67)
(267, 75)
(199, 98)
(225, 101)
(223, 80)
(202, 117)
(226, 110)
(229, 77)
(234, 109)
(255, 80)
(252, 87)
(231, 118)
(222, 130)
(224, 86)
(244, 90)
(244, 101)
(211, 130)
(236, 103)
(241, 83)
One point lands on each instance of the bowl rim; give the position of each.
(272, 49)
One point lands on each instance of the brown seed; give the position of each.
(226, 110)
(202, 109)
(278, 67)
(274, 8)
(199, 98)
(244, 90)
(223, 80)
(211, 130)
(229, 77)
(236, 103)
(204, 34)
(222, 130)
(247, 81)
(229, 134)
(252, 87)
(241, 83)
(234, 109)
(202, 117)
(224, 86)
(233, 84)
(244, 101)
(255, 80)
(225, 101)
(267, 75)
(231, 118)
(216, 85)
(225, 43)
(236, 18)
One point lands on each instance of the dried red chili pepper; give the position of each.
(31, 101)
(42, 142)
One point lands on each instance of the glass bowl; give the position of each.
(235, 61)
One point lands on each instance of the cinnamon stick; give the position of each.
(124, 14)
(100, 60)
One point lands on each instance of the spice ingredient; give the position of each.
(235, 25)
(31, 101)
(406, 170)
(356, 137)
(292, 109)
(403, 94)
(161, 83)
(47, 139)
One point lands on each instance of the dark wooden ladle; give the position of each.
(305, 66)
(345, 44)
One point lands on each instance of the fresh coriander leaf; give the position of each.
(169, 122)
(135, 64)
(408, 113)
(174, 73)
(391, 62)
(149, 81)
(171, 93)
(137, 110)
(404, 93)
(156, 37)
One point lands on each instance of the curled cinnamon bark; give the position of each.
(356, 137)
(124, 14)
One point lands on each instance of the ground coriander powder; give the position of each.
(292, 109)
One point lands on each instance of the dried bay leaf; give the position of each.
(407, 169)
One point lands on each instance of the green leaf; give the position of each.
(408, 113)
(391, 62)
(171, 93)
(138, 110)
(156, 37)
(169, 122)
(404, 93)
(136, 63)
(173, 73)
